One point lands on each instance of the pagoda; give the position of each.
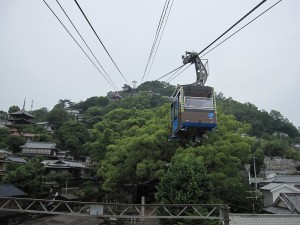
(21, 117)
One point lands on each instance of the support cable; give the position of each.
(228, 37)
(257, 6)
(100, 40)
(77, 42)
(161, 21)
(160, 39)
(115, 87)
(241, 28)
(230, 28)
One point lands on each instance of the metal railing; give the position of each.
(116, 210)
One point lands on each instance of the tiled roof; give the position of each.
(9, 190)
(46, 145)
(264, 219)
(270, 186)
(3, 151)
(16, 159)
(292, 200)
(69, 196)
(63, 163)
(22, 112)
(276, 210)
(284, 179)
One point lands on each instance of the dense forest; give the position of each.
(128, 139)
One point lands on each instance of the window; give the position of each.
(198, 103)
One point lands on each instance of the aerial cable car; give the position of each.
(193, 109)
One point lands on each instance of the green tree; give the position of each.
(13, 109)
(185, 182)
(58, 116)
(92, 102)
(72, 135)
(136, 148)
(224, 153)
(13, 143)
(28, 177)
(3, 115)
(40, 114)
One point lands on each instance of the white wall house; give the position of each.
(272, 191)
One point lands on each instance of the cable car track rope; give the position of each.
(161, 24)
(100, 40)
(77, 43)
(112, 83)
(230, 28)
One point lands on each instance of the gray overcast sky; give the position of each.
(40, 61)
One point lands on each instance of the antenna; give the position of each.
(24, 103)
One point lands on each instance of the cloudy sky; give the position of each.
(40, 61)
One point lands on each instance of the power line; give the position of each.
(241, 28)
(161, 21)
(113, 84)
(100, 40)
(252, 10)
(76, 42)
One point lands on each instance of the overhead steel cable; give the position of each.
(230, 28)
(241, 28)
(178, 73)
(115, 87)
(170, 72)
(100, 40)
(161, 21)
(77, 43)
(160, 39)
(251, 11)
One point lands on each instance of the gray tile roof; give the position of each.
(276, 210)
(264, 219)
(46, 145)
(270, 186)
(22, 112)
(292, 200)
(16, 159)
(63, 163)
(9, 190)
(284, 179)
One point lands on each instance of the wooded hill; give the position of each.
(128, 138)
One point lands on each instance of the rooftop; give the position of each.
(9, 190)
(45, 145)
(264, 219)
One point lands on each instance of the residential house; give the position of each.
(292, 180)
(5, 159)
(286, 203)
(46, 125)
(9, 190)
(273, 190)
(65, 166)
(45, 149)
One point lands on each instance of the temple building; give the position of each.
(21, 117)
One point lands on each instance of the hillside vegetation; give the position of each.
(128, 138)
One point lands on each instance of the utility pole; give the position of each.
(254, 167)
